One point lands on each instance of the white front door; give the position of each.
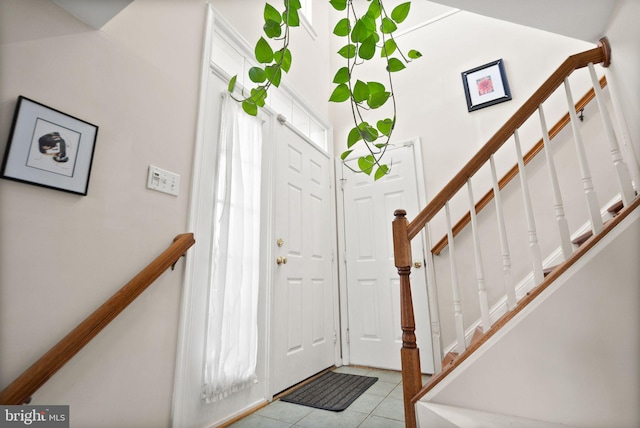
(303, 335)
(373, 285)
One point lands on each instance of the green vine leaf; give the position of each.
(388, 48)
(342, 28)
(366, 163)
(250, 108)
(274, 74)
(271, 14)
(400, 12)
(339, 4)
(360, 91)
(258, 96)
(381, 172)
(348, 51)
(414, 54)
(345, 154)
(342, 75)
(360, 32)
(394, 65)
(368, 48)
(385, 126)
(263, 51)
(367, 132)
(283, 59)
(374, 10)
(377, 100)
(354, 137)
(340, 94)
(291, 17)
(388, 26)
(272, 29)
(232, 84)
(257, 75)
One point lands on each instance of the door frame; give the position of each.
(187, 408)
(414, 143)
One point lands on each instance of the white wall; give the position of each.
(431, 98)
(62, 255)
(579, 364)
(624, 36)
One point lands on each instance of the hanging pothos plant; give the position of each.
(368, 35)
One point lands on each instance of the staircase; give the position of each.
(517, 361)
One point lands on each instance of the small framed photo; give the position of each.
(486, 85)
(49, 148)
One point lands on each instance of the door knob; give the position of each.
(281, 261)
(417, 264)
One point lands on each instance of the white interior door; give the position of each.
(303, 335)
(373, 285)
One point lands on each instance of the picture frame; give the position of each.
(486, 85)
(49, 148)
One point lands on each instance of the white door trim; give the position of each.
(187, 408)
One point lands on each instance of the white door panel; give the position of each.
(373, 292)
(302, 333)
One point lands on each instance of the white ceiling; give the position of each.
(581, 19)
(95, 13)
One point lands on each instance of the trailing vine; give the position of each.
(371, 32)
(272, 63)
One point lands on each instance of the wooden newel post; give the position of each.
(409, 354)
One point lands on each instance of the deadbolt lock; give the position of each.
(417, 264)
(280, 242)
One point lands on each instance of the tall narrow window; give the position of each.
(232, 328)
(306, 9)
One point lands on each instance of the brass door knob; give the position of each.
(417, 264)
(281, 261)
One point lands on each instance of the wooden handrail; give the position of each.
(21, 389)
(600, 54)
(513, 172)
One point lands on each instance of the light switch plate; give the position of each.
(163, 181)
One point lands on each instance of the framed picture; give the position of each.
(49, 148)
(486, 85)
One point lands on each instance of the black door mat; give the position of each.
(331, 391)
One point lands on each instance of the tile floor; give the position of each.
(379, 406)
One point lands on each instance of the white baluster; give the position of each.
(434, 311)
(457, 304)
(587, 183)
(482, 288)
(625, 136)
(509, 285)
(536, 257)
(563, 225)
(624, 179)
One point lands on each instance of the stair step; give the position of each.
(548, 270)
(443, 416)
(615, 208)
(582, 238)
(449, 359)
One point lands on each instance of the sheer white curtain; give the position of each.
(232, 328)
